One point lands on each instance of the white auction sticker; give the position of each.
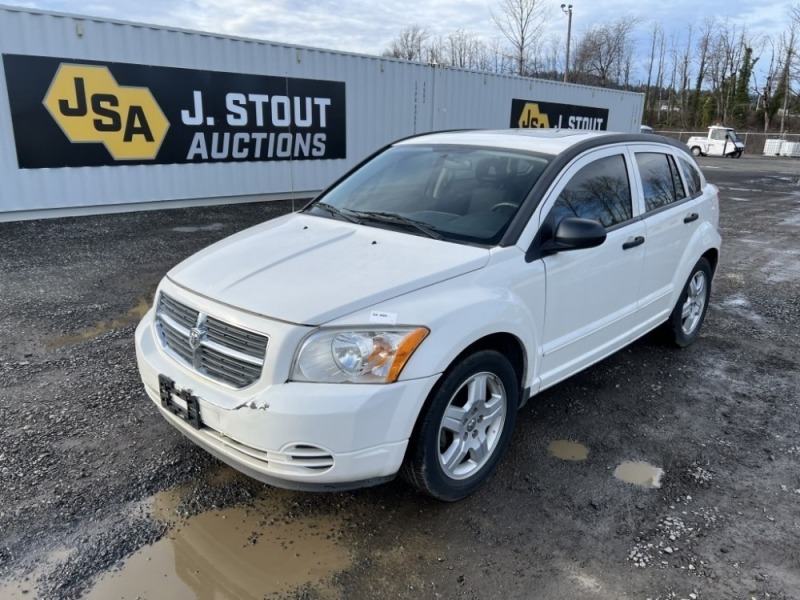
(377, 316)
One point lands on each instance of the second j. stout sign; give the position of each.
(533, 114)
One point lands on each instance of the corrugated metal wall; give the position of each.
(483, 100)
(386, 100)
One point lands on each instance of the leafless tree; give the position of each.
(520, 22)
(672, 80)
(766, 104)
(789, 47)
(662, 54)
(601, 52)
(657, 33)
(464, 49)
(703, 45)
(684, 79)
(497, 60)
(435, 51)
(408, 44)
(553, 55)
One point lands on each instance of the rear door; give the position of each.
(591, 295)
(670, 210)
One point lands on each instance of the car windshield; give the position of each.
(456, 193)
(732, 135)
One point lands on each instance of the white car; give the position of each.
(397, 323)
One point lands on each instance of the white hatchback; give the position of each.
(397, 323)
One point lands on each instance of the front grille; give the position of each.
(218, 350)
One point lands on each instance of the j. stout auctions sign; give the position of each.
(84, 113)
(528, 113)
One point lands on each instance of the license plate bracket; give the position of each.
(190, 413)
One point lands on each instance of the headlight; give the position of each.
(356, 356)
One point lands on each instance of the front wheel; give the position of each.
(689, 313)
(696, 150)
(465, 427)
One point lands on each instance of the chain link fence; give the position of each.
(754, 143)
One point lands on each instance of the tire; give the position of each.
(737, 154)
(696, 151)
(465, 427)
(687, 317)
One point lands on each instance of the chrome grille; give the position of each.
(216, 349)
(182, 314)
(239, 339)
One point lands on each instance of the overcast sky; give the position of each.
(368, 26)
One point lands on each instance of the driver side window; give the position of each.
(718, 134)
(599, 191)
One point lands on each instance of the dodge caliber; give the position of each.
(398, 322)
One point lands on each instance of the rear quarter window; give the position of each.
(692, 177)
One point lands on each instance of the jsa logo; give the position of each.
(90, 107)
(532, 118)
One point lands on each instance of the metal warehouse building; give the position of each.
(99, 115)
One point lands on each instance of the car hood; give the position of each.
(306, 269)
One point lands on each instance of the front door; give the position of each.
(592, 294)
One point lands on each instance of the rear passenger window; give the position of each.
(661, 182)
(599, 191)
(692, 176)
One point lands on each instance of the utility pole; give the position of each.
(567, 10)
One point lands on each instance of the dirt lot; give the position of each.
(100, 497)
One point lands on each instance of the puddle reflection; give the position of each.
(568, 450)
(234, 553)
(639, 473)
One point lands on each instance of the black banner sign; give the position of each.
(530, 113)
(70, 113)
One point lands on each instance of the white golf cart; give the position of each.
(721, 141)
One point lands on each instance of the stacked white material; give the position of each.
(773, 147)
(790, 149)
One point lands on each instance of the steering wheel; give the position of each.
(502, 205)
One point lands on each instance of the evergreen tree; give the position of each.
(741, 97)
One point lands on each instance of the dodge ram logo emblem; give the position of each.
(195, 337)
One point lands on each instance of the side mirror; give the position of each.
(573, 233)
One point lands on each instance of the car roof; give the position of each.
(545, 141)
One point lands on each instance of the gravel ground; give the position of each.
(84, 452)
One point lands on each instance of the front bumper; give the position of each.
(294, 435)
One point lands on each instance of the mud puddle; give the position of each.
(237, 553)
(134, 315)
(567, 450)
(26, 588)
(17, 590)
(639, 473)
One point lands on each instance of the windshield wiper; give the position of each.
(334, 211)
(397, 219)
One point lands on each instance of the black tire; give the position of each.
(696, 151)
(474, 429)
(687, 317)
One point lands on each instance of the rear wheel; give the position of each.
(687, 317)
(465, 429)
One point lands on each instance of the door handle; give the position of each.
(637, 241)
(691, 217)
